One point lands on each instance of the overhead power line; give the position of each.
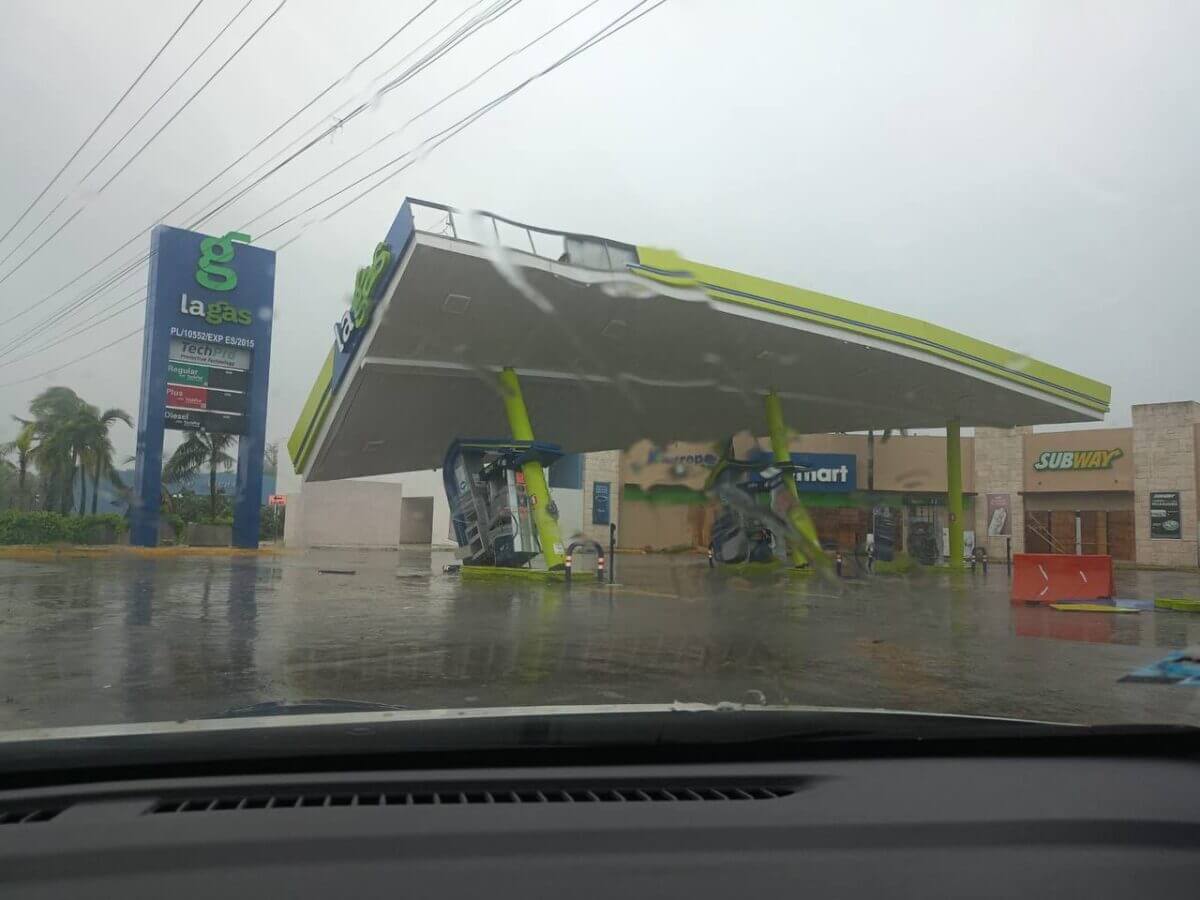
(141, 232)
(72, 362)
(603, 34)
(157, 100)
(107, 153)
(466, 121)
(491, 14)
(82, 326)
(424, 112)
(295, 115)
(150, 141)
(100, 124)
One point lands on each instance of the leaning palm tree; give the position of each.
(98, 449)
(201, 450)
(62, 422)
(22, 446)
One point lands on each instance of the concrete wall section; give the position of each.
(350, 513)
(999, 470)
(570, 511)
(602, 466)
(1164, 436)
(1110, 501)
(416, 520)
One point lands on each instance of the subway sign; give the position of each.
(1076, 460)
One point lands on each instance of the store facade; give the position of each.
(1126, 492)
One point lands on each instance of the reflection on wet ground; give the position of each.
(87, 641)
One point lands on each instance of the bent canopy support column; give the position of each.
(535, 478)
(954, 497)
(781, 452)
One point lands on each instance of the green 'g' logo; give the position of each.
(214, 251)
(365, 282)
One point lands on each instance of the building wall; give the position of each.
(914, 464)
(1117, 478)
(660, 526)
(917, 464)
(999, 469)
(1164, 447)
(350, 513)
(416, 520)
(602, 466)
(1107, 500)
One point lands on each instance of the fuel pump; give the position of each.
(491, 510)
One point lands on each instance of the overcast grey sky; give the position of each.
(1023, 172)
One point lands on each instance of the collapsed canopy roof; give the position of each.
(615, 343)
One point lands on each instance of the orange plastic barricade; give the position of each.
(1050, 577)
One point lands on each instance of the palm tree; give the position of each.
(23, 446)
(60, 423)
(98, 450)
(201, 450)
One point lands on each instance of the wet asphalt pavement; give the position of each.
(122, 638)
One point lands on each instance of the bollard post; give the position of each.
(711, 563)
(1008, 554)
(985, 560)
(567, 568)
(838, 559)
(600, 565)
(612, 550)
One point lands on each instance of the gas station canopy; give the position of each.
(614, 343)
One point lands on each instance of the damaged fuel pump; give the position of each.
(491, 509)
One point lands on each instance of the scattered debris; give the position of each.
(1178, 604)
(1182, 667)
(1091, 607)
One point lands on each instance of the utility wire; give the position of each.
(151, 140)
(493, 12)
(141, 232)
(423, 112)
(100, 124)
(466, 121)
(295, 115)
(497, 10)
(199, 56)
(84, 325)
(429, 145)
(107, 153)
(72, 362)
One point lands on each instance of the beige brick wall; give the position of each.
(999, 469)
(604, 465)
(1164, 439)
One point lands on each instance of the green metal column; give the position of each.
(782, 453)
(954, 497)
(535, 477)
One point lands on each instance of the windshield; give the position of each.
(444, 354)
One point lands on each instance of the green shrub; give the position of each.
(55, 528)
(900, 564)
